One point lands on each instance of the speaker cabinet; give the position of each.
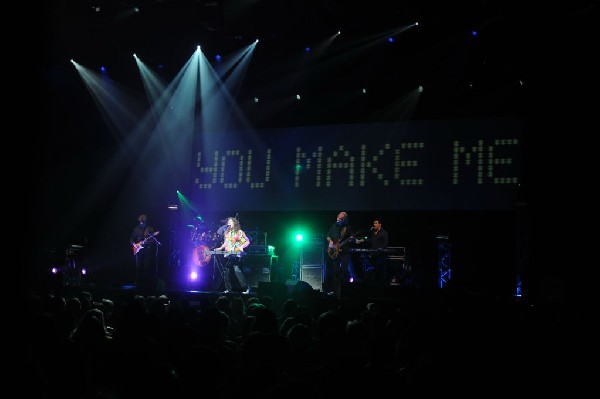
(313, 275)
(257, 268)
(313, 254)
(395, 269)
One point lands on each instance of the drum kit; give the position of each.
(205, 237)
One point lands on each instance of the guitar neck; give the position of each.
(346, 241)
(145, 240)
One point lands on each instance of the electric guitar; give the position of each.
(333, 250)
(140, 245)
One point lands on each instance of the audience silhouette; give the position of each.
(80, 346)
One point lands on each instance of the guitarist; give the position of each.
(145, 251)
(339, 266)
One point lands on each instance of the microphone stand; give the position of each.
(155, 266)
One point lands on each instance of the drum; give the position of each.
(200, 255)
(194, 233)
(206, 236)
(197, 232)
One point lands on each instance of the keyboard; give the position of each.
(399, 251)
(224, 253)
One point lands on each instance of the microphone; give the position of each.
(371, 228)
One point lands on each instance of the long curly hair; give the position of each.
(236, 224)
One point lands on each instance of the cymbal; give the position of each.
(191, 226)
(76, 246)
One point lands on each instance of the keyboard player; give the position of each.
(374, 262)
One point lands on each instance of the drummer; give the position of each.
(220, 235)
(198, 230)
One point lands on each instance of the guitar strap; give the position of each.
(342, 232)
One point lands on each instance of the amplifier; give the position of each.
(396, 251)
(313, 275)
(256, 237)
(313, 254)
(257, 268)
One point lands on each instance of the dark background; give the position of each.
(528, 61)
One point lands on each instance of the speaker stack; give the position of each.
(312, 263)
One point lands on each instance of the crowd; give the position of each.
(79, 346)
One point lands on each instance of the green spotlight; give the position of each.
(299, 237)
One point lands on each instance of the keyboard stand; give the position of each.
(222, 262)
(221, 266)
(219, 270)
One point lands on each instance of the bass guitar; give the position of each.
(137, 247)
(333, 250)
